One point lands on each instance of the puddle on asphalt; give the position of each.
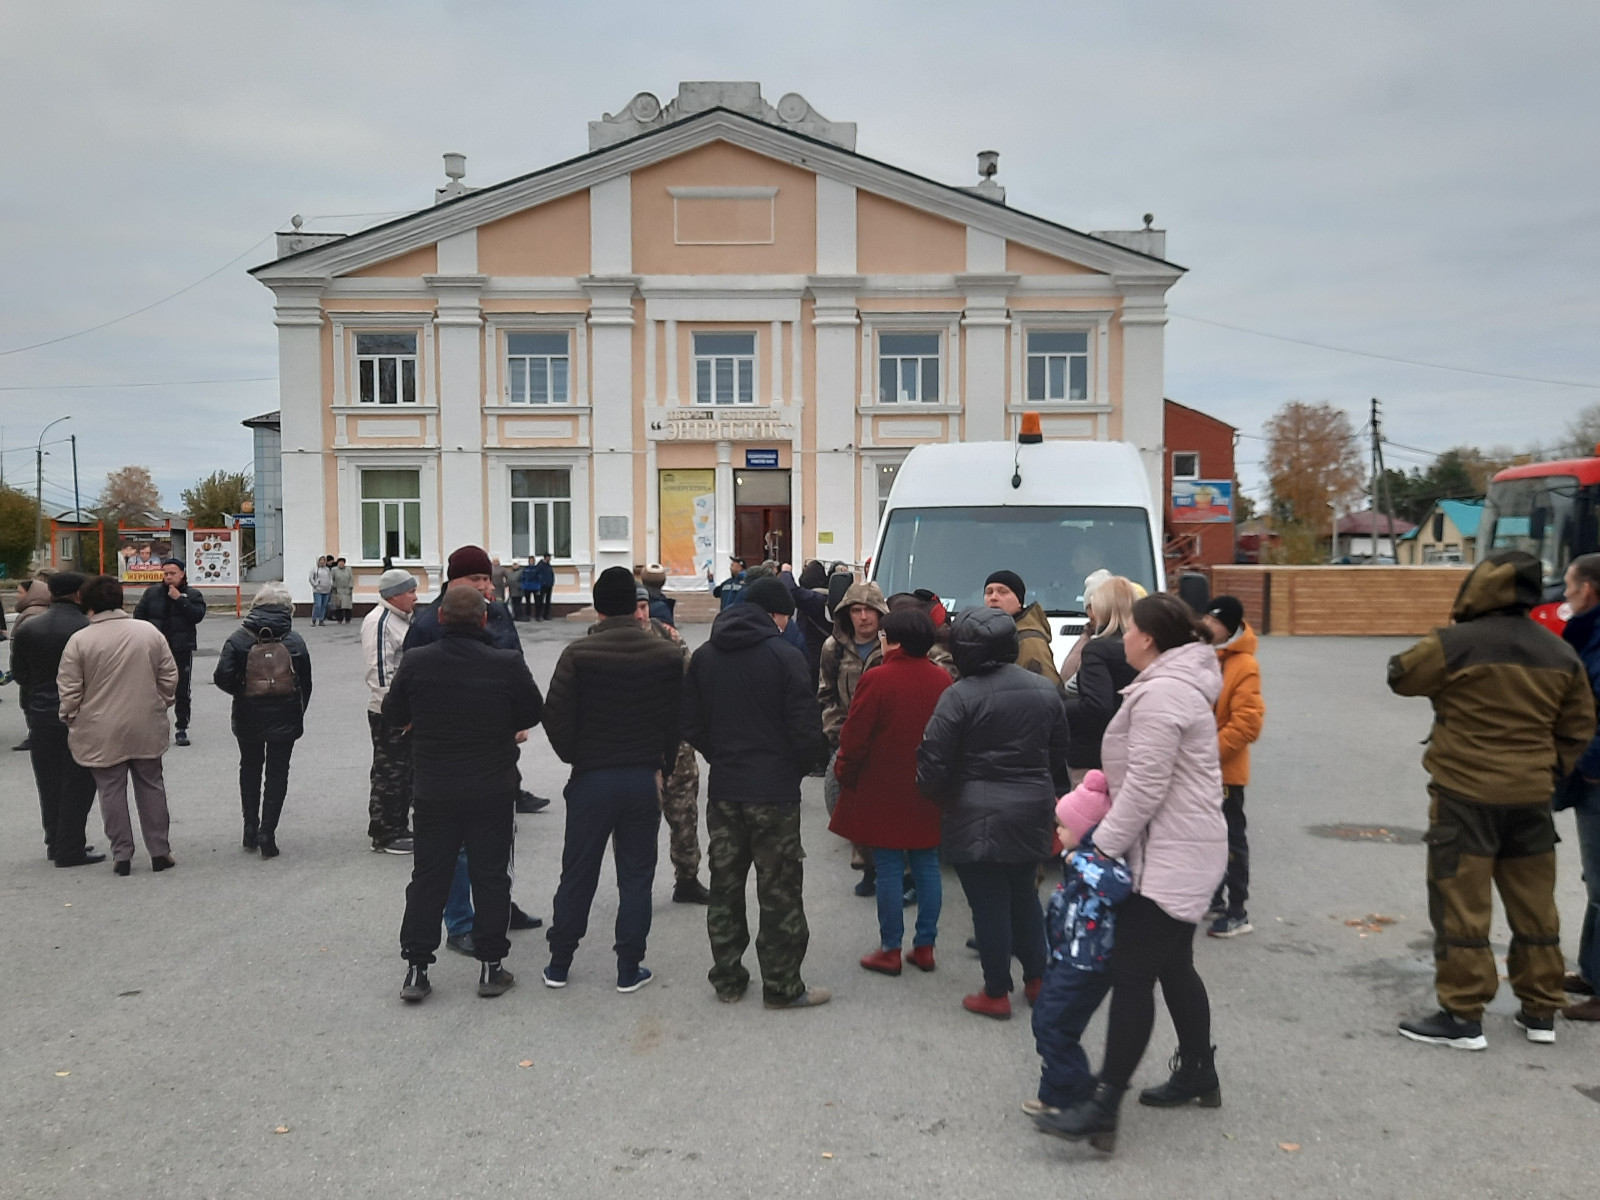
(1397, 835)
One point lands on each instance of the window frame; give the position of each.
(735, 361)
(531, 551)
(509, 358)
(381, 503)
(1067, 357)
(376, 359)
(1181, 476)
(937, 359)
(1096, 323)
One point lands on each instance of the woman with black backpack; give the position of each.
(266, 668)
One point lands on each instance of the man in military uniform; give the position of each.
(680, 791)
(1512, 712)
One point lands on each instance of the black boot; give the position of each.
(1094, 1119)
(1192, 1079)
(251, 828)
(267, 835)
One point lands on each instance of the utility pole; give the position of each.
(77, 512)
(38, 489)
(1380, 481)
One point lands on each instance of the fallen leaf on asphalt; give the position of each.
(1289, 1147)
(281, 1129)
(66, 906)
(62, 1074)
(826, 1154)
(1380, 919)
(527, 1062)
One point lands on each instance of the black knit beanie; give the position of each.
(614, 592)
(1012, 580)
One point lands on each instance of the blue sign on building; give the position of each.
(761, 460)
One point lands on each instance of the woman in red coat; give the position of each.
(879, 804)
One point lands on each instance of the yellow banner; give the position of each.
(688, 521)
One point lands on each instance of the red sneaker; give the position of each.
(921, 957)
(884, 962)
(1031, 988)
(985, 1005)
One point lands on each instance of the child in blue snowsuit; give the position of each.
(1079, 924)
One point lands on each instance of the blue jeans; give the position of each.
(319, 605)
(1588, 813)
(891, 896)
(458, 909)
(1060, 1015)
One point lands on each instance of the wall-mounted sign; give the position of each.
(761, 460)
(1202, 500)
(688, 522)
(719, 425)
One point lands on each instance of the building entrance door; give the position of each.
(761, 516)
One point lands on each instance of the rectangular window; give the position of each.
(1185, 464)
(908, 368)
(541, 514)
(1058, 365)
(386, 365)
(724, 368)
(537, 368)
(391, 515)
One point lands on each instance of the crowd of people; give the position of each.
(941, 738)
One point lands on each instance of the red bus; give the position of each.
(1549, 509)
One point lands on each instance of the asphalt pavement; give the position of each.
(232, 1028)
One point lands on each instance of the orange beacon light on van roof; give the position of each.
(1032, 432)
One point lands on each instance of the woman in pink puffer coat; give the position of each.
(1160, 759)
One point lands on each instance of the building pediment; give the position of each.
(783, 141)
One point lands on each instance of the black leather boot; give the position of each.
(1093, 1120)
(1192, 1079)
(267, 835)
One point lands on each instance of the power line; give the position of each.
(1409, 362)
(61, 387)
(146, 308)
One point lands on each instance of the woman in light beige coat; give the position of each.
(117, 680)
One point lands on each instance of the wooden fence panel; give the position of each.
(1360, 601)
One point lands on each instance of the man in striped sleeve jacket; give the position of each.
(383, 635)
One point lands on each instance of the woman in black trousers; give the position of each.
(268, 708)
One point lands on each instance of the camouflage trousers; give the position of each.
(389, 805)
(768, 837)
(680, 805)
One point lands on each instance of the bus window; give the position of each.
(1536, 515)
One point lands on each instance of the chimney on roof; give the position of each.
(988, 168)
(455, 170)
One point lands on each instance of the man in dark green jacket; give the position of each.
(1512, 712)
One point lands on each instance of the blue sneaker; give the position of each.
(1230, 927)
(634, 981)
(555, 977)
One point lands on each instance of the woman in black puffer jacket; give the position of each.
(1103, 672)
(266, 726)
(994, 756)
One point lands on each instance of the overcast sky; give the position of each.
(1413, 179)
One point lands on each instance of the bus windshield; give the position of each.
(951, 551)
(1537, 515)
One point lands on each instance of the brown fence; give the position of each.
(1369, 601)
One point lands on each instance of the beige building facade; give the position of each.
(719, 331)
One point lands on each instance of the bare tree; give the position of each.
(1583, 434)
(129, 494)
(1313, 460)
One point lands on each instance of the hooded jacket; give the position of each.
(1582, 633)
(36, 650)
(33, 598)
(1161, 762)
(117, 680)
(749, 709)
(1512, 704)
(994, 753)
(175, 619)
(383, 640)
(265, 718)
(841, 666)
(1240, 709)
(1033, 644)
(1103, 672)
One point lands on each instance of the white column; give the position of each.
(298, 316)
(669, 330)
(986, 321)
(834, 394)
(458, 335)
(611, 430)
(724, 535)
(1144, 316)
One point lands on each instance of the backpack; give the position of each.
(268, 669)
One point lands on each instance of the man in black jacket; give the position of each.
(175, 608)
(749, 708)
(612, 713)
(467, 705)
(66, 790)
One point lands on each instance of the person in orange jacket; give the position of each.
(1240, 712)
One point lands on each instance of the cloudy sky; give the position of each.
(1415, 179)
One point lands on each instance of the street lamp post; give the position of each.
(38, 490)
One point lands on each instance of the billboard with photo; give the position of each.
(139, 554)
(1202, 500)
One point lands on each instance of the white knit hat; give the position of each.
(396, 582)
